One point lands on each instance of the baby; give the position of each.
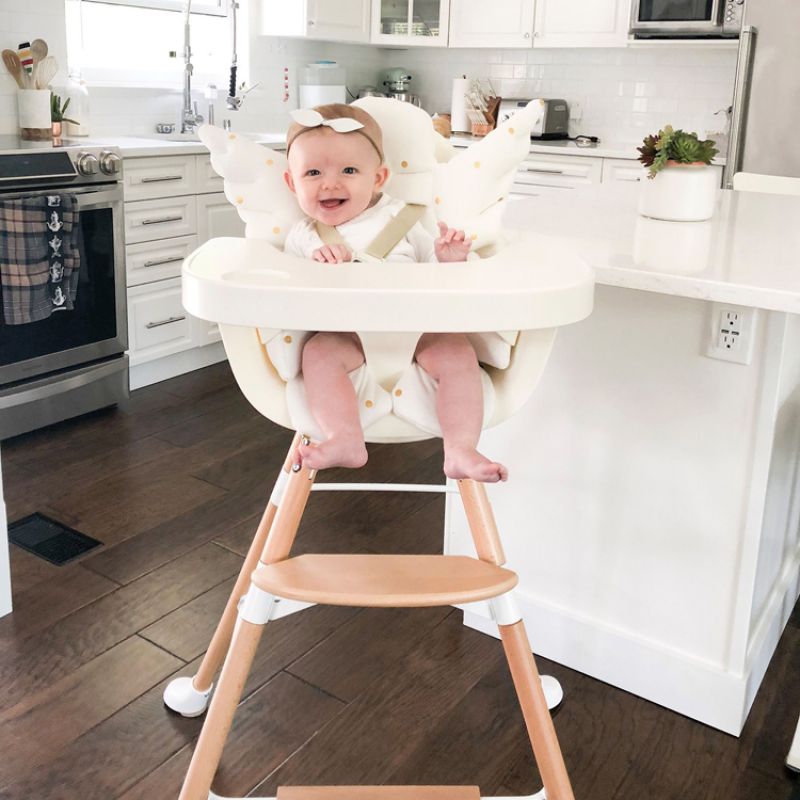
(336, 169)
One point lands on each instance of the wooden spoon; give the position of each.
(14, 66)
(44, 72)
(39, 50)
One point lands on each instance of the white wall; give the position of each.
(625, 93)
(132, 112)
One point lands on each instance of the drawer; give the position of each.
(158, 325)
(155, 261)
(569, 172)
(207, 180)
(623, 170)
(167, 217)
(159, 176)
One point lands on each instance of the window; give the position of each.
(146, 45)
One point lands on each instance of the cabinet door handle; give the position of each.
(160, 178)
(161, 261)
(546, 171)
(163, 322)
(161, 219)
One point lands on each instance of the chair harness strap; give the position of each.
(386, 240)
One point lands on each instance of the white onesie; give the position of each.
(359, 232)
(413, 397)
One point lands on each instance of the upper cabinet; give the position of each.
(502, 23)
(333, 20)
(581, 23)
(410, 22)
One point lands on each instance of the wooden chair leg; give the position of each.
(221, 639)
(217, 725)
(537, 717)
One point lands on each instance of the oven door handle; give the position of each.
(102, 199)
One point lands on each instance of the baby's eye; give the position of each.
(350, 170)
(312, 173)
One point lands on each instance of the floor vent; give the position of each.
(49, 539)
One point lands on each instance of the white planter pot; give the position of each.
(680, 193)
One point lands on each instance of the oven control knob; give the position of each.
(109, 163)
(87, 163)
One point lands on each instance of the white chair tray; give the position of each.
(533, 283)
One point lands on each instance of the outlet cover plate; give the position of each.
(731, 332)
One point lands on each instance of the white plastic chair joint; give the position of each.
(283, 607)
(504, 609)
(280, 486)
(256, 606)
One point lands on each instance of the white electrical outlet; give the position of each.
(731, 334)
(575, 112)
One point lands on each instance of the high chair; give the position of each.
(248, 286)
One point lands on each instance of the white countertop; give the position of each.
(747, 254)
(134, 147)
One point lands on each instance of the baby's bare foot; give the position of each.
(338, 451)
(467, 462)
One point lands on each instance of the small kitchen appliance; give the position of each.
(74, 361)
(551, 123)
(396, 82)
(680, 19)
(322, 82)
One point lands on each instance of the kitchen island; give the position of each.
(652, 508)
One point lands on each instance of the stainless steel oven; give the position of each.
(674, 19)
(70, 362)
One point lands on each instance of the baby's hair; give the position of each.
(371, 130)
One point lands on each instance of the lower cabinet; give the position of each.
(162, 230)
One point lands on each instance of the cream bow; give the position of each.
(309, 118)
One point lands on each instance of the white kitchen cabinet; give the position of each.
(161, 218)
(581, 23)
(158, 326)
(215, 217)
(147, 262)
(622, 169)
(159, 176)
(540, 173)
(410, 22)
(503, 23)
(332, 20)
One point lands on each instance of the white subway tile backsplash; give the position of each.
(624, 92)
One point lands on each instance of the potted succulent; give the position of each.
(57, 112)
(681, 185)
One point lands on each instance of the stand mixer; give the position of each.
(396, 83)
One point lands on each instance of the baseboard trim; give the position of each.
(698, 689)
(162, 369)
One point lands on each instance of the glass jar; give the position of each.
(78, 93)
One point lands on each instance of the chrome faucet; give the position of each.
(234, 101)
(190, 119)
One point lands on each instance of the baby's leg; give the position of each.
(327, 358)
(450, 359)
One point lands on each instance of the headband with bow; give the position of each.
(309, 118)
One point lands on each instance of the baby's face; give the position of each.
(334, 175)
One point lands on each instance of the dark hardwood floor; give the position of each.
(174, 484)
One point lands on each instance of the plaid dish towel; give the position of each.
(39, 257)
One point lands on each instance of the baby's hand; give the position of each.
(451, 244)
(332, 254)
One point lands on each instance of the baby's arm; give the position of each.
(451, 245)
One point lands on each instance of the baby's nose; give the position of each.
(330, 180)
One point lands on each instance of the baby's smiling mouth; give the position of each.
(333, 202)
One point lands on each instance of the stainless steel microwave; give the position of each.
(668, 19)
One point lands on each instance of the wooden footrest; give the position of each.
(378, 793)
(384, 581)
